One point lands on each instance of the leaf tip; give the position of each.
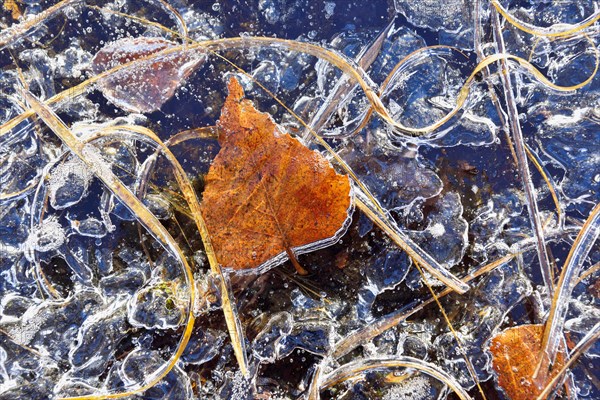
(236, 92)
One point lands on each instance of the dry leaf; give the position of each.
(149, 84)
(13, 7)
(268, 196)
(515, 356)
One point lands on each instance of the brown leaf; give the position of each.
(146, 86)
(515, 356)
(13, 7)
(268, 196)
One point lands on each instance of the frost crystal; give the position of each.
(415, 388)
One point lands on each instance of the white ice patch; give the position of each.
(414, 388)
(47, 236)
(329, 8)
(437, 230)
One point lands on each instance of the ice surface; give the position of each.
(69, 183)
(90, 302)
(446, 231)
(417, 387)
(267, 344)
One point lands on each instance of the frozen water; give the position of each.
(90, 302)
(155, 307)
(416, 388)
(69, 183)
(456, 16)
(267, 344)
(446, 231)
(204, 346)
(97, 339)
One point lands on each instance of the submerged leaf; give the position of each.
(516, 354)
(148, 85)
(268, 196)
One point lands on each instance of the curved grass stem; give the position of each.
(554, 326)
(93, 160)
(360, 367)
(229, 310)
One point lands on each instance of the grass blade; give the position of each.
(522, 164)
(553, 330)
(231, 316)
(15, 32)
(89, 155)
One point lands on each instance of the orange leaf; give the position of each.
(148, 85)
(13, 7)
(267, 196)
(515, 356)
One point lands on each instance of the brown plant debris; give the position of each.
(515, 357)
(13, 8)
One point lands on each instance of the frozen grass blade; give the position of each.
(523, 166)
(592, 270)
(549, 183)
(181, 25)
(554, 327)
(359, 367)
(89, 155)
(390, 79)
(552, 31)
(314, 389)
(339, 95)
(231, 316)
(584, 344)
